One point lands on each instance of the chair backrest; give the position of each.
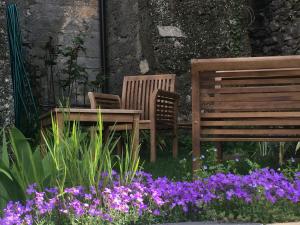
(137, 90)
(105, 101)
(247, 98)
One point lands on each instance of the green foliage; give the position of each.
(128, 163)
(175, 169)
(290, 168)
(211, 166)
(260, 211)
(84, 160)
(66, 77)
(24, 168)
(73, 74)
(161, 142)
(72, 157)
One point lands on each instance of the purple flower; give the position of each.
(31, 189)
(148, 195)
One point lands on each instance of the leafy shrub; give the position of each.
(22, 167)
(72, 158)
(79, 159)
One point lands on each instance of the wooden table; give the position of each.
(109, 116)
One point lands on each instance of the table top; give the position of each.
(90, 111)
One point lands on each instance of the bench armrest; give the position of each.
(164, 108)
(104, 101)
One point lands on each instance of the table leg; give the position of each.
(135, 134)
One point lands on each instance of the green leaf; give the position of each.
(38, 166)
(297, 147)
(10, 185)
(25, 162)
(4, 152)
(6, 173)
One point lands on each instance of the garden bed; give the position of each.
(262, 196)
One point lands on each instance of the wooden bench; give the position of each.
(155, 96)
(245, 99)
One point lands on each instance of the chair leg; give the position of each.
(119, 146)
(152, 144)
(175, 143)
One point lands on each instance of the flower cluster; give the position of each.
(155, 196)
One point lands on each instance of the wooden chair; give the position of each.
(155, 96)
(245, 99)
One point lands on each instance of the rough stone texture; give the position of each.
(169, 33)
(276, 30)
(6, 96)
(62, 21)
(157, 36)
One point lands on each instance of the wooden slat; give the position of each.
(139, 88)
(254, 106)
(279, 139)
(252, 132)
(128, 93)
(149, 77)
(238, 90)
(247, 63)
(249, 82)
(133, 96)
(258, 97)
(147, 94)
(257, 122)
(143, 93)
(172, 85)
(252, 115)
(290, 72)
(104, 101)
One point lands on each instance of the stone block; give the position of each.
(170, 31)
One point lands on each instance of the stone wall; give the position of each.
(161, 36)
(276, 30)
(144, 37)
(6, 95)
(59, 21)
(149, 37)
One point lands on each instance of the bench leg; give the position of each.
(219, 148)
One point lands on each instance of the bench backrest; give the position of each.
(247, 99)
(137, 90)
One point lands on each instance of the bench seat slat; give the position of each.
(254, 106)
(257, 122)
(256, 97)
(238, 90)
(252, 82)
(252, 115)
(251, 131)
(280, 139)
